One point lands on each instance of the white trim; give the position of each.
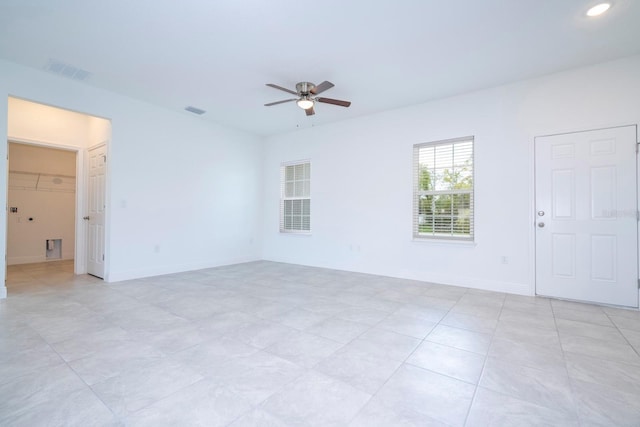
(531, 218)
(449, 280)
(80, 256)
(295, 162)
(35, 259)
(107, 209)
(296, 232)
(638, 202)
(445, 141)
(26, 259)
(474, 283)
(170, 269)
(43, 143)
(588, 130)
(446, 241)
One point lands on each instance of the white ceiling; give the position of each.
(218, 55)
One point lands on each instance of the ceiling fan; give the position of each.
(307, 96)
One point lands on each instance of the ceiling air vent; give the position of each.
(195, 110)
(66, 70)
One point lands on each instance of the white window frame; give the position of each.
(420, 194)
(295, 190)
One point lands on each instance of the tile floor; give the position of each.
(268, 344)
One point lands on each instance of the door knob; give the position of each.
(541, 224)
(86, 218)
(540, 213)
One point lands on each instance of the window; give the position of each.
(443, 189)
(295, 197)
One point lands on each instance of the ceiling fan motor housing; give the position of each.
(304, 88)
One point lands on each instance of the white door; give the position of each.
(95, 217)
(586, 216)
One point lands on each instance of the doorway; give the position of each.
(46, 126)
(586, 205)
(41, 203)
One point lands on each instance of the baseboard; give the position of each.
(425, 276)
(119, 276)
(473, 283)
(25, 259)
(34, 259)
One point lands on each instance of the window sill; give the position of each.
(295, 233)
(446, 242)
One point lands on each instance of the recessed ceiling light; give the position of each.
(598, 9)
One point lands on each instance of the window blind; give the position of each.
(443, 189)
(295, 196)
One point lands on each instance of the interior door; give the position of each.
(586, 216)
(95, 236)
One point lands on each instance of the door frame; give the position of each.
(532, 193)
(80, 244)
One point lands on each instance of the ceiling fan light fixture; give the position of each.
(307, 96)
(598, 9)
(305, 103)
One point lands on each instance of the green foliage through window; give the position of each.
(443, 205)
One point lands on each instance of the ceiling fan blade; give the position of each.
(310, 111)
(282, 88)
(322, 87)
(334, 102)
(280, 102)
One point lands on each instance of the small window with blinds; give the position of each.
(295, 197)
(443, 189)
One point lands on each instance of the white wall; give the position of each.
(40, 123)
(185, 194)
(52, 212)
(362, 177)
(38, 159)
(182, 193)
(53, 216)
